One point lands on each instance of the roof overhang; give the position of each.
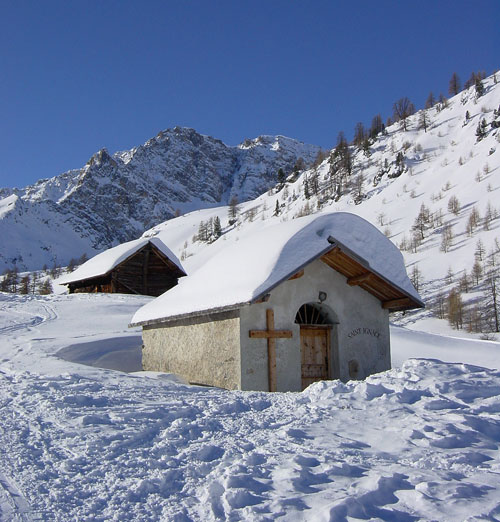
(358, 273)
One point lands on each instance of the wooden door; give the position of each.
(315, 353)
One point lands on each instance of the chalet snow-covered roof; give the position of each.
(245, 271)
(103, 263)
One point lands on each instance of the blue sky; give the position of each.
(77, 76)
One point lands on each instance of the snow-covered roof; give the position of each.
(103, 263)
(250, 268)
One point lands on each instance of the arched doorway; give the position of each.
(316, 323)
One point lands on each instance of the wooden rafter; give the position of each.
(357, 280)
(358, 275)
(397, 303)
(300, 273)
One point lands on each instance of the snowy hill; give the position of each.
(403, 174)
(114, 198)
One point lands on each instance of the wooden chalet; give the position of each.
(144, 267)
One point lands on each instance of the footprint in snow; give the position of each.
(306, 480)
(209, 453)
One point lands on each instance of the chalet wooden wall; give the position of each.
(146, 272)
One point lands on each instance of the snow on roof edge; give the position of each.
(189, 315)
(199, 295)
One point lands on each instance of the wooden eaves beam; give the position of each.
(357, 280)
(300, 273)
(397, 303)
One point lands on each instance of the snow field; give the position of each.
(417, 442)
(81, 443)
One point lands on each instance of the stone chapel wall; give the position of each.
(202, 350)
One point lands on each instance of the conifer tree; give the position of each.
(340, 165)
(305, 182)
(455, 309)
(281, 178)
(359, 134)
(71, 265)
(202, 231)
(488, 216)
(430, 102)
(478, 84)
(473, 221)
(314, 183)
(446, 237)
(471, 81)
(377, 126)
(480, 250)
(400, 165)
(423, 120)
(454, 205)
(493, 299)
(422, 221)
(481, 129)
(217, 227)
(320, 157)
(416, 277)
(454, 86)
(14, 279)
(477, 271)
(358, 188)
(34, 282)
(233, 210)
(464, 282)
(25, 285)
(45, 288)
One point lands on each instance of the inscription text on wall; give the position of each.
(364, 331)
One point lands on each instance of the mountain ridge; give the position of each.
(115, 197)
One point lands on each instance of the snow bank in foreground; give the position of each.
(417, 442)
(82, 443)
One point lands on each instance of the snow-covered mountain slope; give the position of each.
(419, 442)
(114, 198)
(442, 162)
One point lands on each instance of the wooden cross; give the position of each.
(271, 335)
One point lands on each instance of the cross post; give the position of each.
(271, 335)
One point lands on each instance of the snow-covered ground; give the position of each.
(419, 442)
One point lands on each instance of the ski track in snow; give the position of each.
(421, 442)
(23, 313)
(13, 505)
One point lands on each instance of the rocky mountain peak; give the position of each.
(114, 198)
